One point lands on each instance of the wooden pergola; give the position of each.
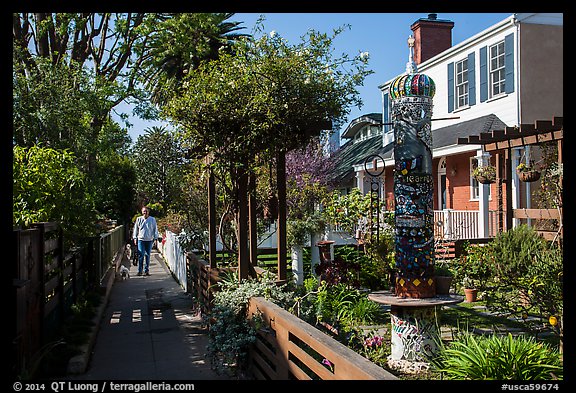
(248, 236)
(501, 143)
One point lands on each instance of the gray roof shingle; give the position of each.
(351, 154)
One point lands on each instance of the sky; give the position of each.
(383, 35)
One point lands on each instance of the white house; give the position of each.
(507, 75)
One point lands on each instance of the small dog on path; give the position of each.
(132, 253)
(124, 272)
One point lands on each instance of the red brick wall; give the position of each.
(457, 185)
(431, 39)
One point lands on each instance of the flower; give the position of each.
(328, 363)
(522, 167)
(553, 320)
(375, 341)
(364, 56)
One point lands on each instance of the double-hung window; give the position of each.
(497, 69)
(461, 83)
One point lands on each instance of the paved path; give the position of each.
(149, 331)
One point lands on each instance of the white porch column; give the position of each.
(360, 181)
(448, 232)
(314, 253)
(298, 264)
(516, 185)
(483, 194)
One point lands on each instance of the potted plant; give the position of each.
(470, 290)
(484, 174)
(443, 278)
(527, 173)
(473, 268)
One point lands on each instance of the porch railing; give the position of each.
(462, 224)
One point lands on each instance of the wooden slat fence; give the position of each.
(543, 214)
(47, 281)
(289, 348)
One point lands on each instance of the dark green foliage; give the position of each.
(516, 249)
(159, 159)
(528, 276)
(114, 188)
(48, 186)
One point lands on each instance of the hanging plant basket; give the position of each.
(485, 174)
(528, 176)
(484, 179)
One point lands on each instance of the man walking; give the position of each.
(144, 233)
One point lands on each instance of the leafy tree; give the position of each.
(53, 108)
(178, 44)
(307, 173)
(47, 186)
(115, 188)
(269, 97)
(103, 42)
(159, 158)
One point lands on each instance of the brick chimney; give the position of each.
(432, 36)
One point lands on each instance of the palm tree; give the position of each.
(178, 45)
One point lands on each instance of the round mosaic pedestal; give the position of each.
(415, 333)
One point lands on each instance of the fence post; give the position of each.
(60, 260)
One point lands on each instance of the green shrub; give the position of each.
(473, 357)
(49, 186)
(474, 268)
(231, 333)
(516, 249)
(528, 277)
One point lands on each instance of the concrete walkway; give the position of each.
(149, 331)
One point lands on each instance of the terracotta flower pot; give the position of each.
(471, 294)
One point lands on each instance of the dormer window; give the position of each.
(366, 132)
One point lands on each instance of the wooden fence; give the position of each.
(289, 348)
(47, 281)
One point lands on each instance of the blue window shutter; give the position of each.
(450, 87)
(509, 62)
(471, 79)
(483, 74)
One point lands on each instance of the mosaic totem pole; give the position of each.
(414, 304)
(411, 96)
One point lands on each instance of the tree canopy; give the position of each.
(268, 96)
